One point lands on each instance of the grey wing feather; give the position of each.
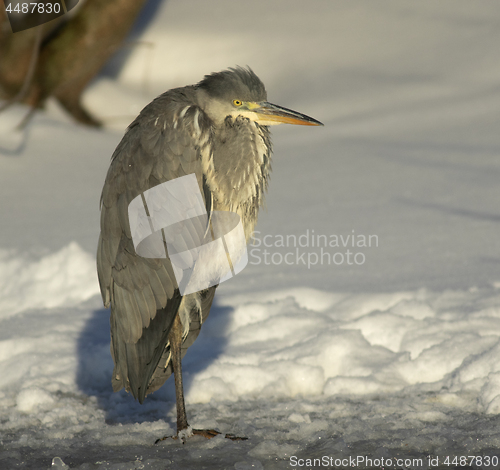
(142, 292)
(163, 369)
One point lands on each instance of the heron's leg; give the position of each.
(175, 338)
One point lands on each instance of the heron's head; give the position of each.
(239, 92)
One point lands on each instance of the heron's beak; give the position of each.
(269, 114)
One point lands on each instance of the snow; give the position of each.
(390, 351)
(66, 277)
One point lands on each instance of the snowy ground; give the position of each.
(389, 352)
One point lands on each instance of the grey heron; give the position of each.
(217, 129)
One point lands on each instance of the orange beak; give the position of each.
(271, 113)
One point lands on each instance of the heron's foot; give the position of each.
(182, 435)
(206, 433)
(209, 433)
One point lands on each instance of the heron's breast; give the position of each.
(242, 165)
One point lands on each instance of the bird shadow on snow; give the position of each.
(95, 367)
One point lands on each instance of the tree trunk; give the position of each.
(15, 55)
(69, 58)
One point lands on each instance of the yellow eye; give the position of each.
(237, 102)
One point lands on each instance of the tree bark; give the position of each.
(15, 55)
(69, 58)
